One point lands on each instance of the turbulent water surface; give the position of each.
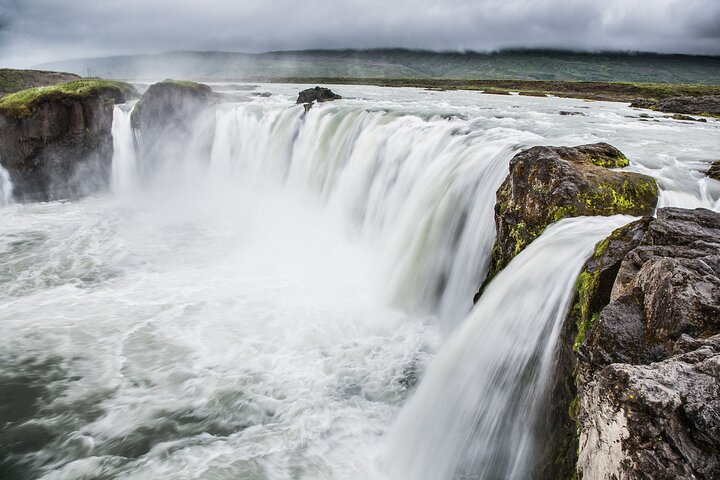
(265, 312)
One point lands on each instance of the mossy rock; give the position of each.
(168, 101)
(714, 170)
(24, 103)
(547, 184)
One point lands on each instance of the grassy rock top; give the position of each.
(24, 103)
(547, 184)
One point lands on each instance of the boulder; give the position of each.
(56, 141)
(317, 94)
(714, 170)
(644, 326)
(173, 118)
(547, 184)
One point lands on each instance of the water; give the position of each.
(124, 168)
(473, 414)
(265, 312)
(6, 188)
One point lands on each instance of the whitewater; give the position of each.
(298, 305)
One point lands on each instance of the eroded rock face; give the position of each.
(317, 94)
(62, 148)
(174, 119)
(646, 314)
(547, 184)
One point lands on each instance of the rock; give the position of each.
(699, 105)
(56, 142)
(317, 94)
(687, 118)
(175, 119)
(566, 113)
(714, 170)
(644, 323)
(547, 184)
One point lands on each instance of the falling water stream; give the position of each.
(297, 304)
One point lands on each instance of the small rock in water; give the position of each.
(317, 94)
(565, 113)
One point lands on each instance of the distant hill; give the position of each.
(401, 63)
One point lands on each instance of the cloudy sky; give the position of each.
(33, 31)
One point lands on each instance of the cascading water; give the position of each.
(124, 163)
(6, 188)
(473, 414)
(230, 315)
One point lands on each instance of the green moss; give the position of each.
(633, 197)
(22, 103)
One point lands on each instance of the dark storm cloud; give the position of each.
(37, 30)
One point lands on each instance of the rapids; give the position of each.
(266, 312)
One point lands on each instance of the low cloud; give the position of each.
(33, 31)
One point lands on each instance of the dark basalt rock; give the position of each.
(714, 170)
(174, 118)
(644, 325)
(317, 94)
(567, 114)
(700, 105)
(547, 184)
(60, 145)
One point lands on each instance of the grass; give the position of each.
(610, 91)
(22, 104)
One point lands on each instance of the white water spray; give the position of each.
(473, 413)
(6, 188)
(124, 163)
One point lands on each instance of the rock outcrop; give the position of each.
(56, 142)
(644, 326)
(174, 119)
(317, 94)
(714, 170)
(699, 105)
(547, 184)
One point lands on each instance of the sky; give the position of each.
(35, 31)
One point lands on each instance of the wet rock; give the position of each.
(566, 113)
(700, 105)
(547, 184)
(687, 118)
(714, 170)
(175, 119)
(56, 142)
(317, 94)
(646, 319)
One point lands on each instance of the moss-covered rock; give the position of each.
(175, 119)
(24, 104)
(56, 141)
(547, 184)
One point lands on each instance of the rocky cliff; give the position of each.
(641, 354)
(169, 117)
(56, 142)
(546, 184)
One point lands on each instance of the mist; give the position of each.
(37, 31)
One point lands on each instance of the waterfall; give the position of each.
(124, 162)
(6, 188)
(420, 187)
(473, 413)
